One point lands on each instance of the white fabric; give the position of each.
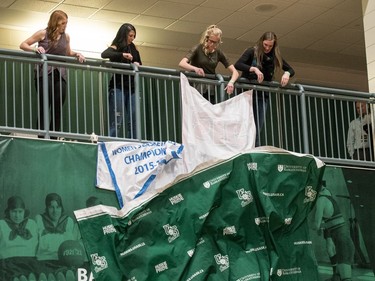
(210, 133)
(215, 131)
(130, 168)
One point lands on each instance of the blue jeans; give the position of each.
(260, 103)
(121, 106)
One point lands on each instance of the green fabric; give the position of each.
(33, 168)
(244, 219)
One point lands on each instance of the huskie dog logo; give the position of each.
(222, 261)
(99, 262)
(245, 196)
(172, 232)
(206, 184)
(310, 194)
(280, 167)
(279, 272)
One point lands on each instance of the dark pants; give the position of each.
(56, 99)
(260, 104)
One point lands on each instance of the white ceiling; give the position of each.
(326, 31)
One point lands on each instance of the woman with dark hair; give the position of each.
(55, 41)
(121, 87)
(18, 240)
(54, 227)
(261, 63)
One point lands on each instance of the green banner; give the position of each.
(45, 181)
(243, 219)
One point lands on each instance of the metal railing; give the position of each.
(299, 118)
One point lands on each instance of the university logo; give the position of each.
(288, 221)
(310, 194)
(172, 232)
(191, 252)
(206, 184)
(260, 220)
(222, 261)
(218, 179)
(288, 271)
(99, 262)
(245, 196)
(280, 168)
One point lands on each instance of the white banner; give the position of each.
(130, 168)
(210, 133)
(215, 131)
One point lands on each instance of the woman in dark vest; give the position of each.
(52, 40)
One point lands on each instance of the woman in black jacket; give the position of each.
(260, 63)
(121, 87)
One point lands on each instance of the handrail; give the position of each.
(299, 111)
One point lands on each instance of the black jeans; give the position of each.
(56, 99)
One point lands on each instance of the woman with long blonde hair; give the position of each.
(204, 57)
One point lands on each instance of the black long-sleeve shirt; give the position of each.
(248, 60)
(117, 56)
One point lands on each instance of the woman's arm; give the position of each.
(289, 72)
(318, 214)
(184, 63)
(27, 45)
(137, 57)
(114, 55)
(244, 62)
(233, 79)
(288, 68)
(71, 53)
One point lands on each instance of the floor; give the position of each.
(359, 274)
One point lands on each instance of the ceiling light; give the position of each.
(263, 8)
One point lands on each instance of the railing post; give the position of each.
(137, 101)
(101, 107)
(46, 120)
(305, 135)
(372, 114)
(222, 86)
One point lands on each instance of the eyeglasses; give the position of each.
(208, 40)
